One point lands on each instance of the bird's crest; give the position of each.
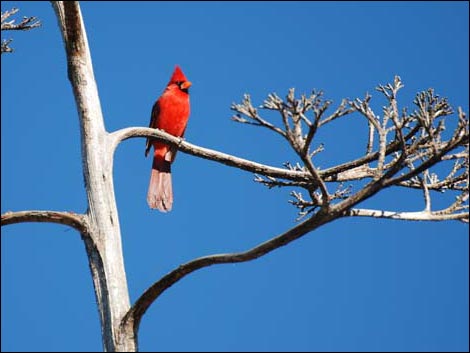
(177, 75)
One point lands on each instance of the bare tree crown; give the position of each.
(400, 150)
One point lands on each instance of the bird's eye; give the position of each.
(179, 83)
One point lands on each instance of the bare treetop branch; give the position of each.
(26, 24)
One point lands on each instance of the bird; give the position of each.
(169, 113)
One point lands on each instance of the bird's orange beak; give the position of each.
(186, 85)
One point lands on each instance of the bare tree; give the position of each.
(402, 149)
(26, 23)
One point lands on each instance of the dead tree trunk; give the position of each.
(103, 236)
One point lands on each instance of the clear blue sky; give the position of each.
(352, 285)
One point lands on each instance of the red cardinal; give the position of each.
(169, 113)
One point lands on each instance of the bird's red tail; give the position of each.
(160, 192)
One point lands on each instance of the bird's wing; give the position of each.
(153, 124)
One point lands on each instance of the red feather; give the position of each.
(169, 113)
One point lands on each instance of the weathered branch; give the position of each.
(424, 186)
(74, 220)
(318, 181)
(206, 153)
(6, 46)
(408, 216)
(429, 162)
(248, 110)
(330, 174)
(391, 148)
(26, 23)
